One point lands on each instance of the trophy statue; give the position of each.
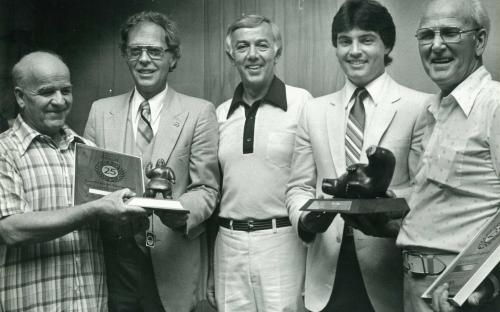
(364, 180)
(161, 179)
(363, 188)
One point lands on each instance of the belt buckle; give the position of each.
(250, 225)
(428, 264)
(348, 231)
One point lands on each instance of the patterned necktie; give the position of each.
(355, 128)
(144, 129)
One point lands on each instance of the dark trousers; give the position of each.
(130, 278)
(349, 293)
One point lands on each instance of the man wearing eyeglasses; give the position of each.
(457, 184)
(154, 121)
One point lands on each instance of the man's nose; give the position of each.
(57, 98)
(355, 48)
(252, 52)
(438, 42)
(144, 57)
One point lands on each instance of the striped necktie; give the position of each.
(144, 129)
(355, 128)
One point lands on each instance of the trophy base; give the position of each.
(157, 204)
(357, 206)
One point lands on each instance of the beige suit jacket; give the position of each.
(320, 153)
(187, 139)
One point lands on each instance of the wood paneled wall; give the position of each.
(86, 34)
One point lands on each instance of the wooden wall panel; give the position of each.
(86, 34)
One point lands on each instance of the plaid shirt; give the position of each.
(64, 274)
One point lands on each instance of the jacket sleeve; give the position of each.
(302, 183)
(90, 127)
(202, 193)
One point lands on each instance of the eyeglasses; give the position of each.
(426, 36)
(154, 53)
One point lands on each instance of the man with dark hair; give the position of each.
(346, 269)
(457, 180)
(154, 121)
(50, 250)
(259, 261)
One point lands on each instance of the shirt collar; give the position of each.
(375, 89)
(466, 92)
(155, 103)
(26, 135)
(276, 96)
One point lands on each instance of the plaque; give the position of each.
(99, 172)
(472, 265)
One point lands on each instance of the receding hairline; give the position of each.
(29, 61)
(249, 22)
(474, 11)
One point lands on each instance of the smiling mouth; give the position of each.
(356, 62)
(145, 71)
(56, 112)
(253, 67)
(443, 60)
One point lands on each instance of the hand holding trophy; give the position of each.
(362, 197)
(364, 180)
(160, 186)
(161, 179)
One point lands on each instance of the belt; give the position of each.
(253, 225)
(425, 264)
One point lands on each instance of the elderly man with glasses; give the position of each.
(154, 121)
(457, 183)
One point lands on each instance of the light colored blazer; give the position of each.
(187, 139)
(320, 153)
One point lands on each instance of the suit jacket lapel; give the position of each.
(116, 123)
(172, 119)
(335, 123)
(383, 115)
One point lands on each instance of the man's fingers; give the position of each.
(134, 211)
(478, 296)
(390, 194)
(440, 300)
(436, 296)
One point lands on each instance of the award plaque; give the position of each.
(99, 172)
(472, 265)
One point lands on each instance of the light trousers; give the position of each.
(259, 271)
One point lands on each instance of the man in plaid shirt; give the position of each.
(50, 251)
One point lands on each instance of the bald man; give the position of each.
(50, 250)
